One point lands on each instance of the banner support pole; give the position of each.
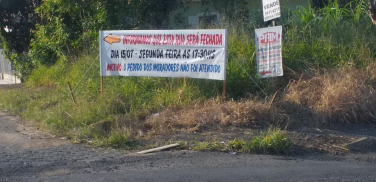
(101, 86)
(224, 90)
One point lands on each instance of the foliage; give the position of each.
(67, 27)
(329, 37)
(318, 4)
(70, 26)
(1, 43)
(153, 14)
(234, 11)
(17, 19)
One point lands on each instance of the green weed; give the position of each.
(273, 141)
(209, 146)
(120, 140)
(235, 145)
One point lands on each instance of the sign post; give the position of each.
(101, 85)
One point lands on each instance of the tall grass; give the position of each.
(330, 38)
(339, 96)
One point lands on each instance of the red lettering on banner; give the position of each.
(269, 37)
(211, 39)
(168, 39)
(180, 39)
(157, 39)
(137, 39)
(114, 67)
(193, 39)
(203, 39)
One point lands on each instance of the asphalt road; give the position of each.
(26, 154)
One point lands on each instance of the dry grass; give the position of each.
(215, 115)
(346, 95)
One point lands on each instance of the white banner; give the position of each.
(269, 51)
(271, 9)
(164, 53)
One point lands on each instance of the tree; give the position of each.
(70, 26)
(233, 11)
(17, 20)
(153, 14)
(37, 32)
(67, 27)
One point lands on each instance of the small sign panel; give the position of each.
(271, 9)
(269, 51)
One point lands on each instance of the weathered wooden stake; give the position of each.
(224, 90)
(70, 89)
(272, 101)
(159, 148)
(101, 86)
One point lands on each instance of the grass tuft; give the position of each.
(120, 140)
(210, 146)
(274, 141)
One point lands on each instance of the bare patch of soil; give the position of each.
(16, 134)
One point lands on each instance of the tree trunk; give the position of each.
(372, 11)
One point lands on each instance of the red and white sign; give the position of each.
(164, 53)
(269, 51)
(271, 9)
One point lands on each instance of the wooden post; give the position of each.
(70, 89)
(15, 76)
(101, 86)
(272, 101)
(224, 90)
